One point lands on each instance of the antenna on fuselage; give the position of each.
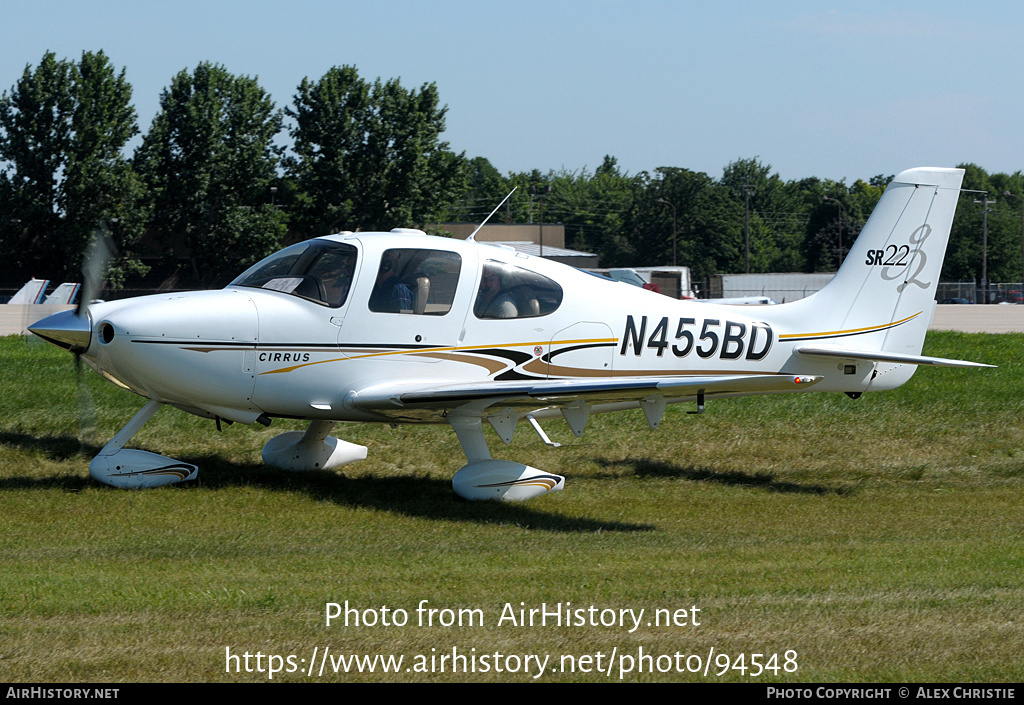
(493, 212)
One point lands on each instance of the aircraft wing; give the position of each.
(534, 394)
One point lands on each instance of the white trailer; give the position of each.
(670, 281)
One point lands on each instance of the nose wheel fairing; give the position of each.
(137, 469)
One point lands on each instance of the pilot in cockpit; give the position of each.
(333, 271)
(493, 300)
(337, 281)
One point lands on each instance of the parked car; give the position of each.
(629, 276)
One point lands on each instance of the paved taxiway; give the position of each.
(979, 319)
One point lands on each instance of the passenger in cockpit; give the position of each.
(390, 293)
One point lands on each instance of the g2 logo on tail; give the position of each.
(900, 256)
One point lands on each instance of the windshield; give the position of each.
(320, 271)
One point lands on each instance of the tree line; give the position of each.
(213, 185)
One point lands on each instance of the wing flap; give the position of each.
(546, 393)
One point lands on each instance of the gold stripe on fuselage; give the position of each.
(842, 333)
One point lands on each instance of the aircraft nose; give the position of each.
(65, 330)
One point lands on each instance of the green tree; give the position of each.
(1012, 186)
(209, 161)
(967, 257)
(369, 156)
(523, 207)
(485, 189)
(834, 215)
(593, 209)
(63, 128)
(663, 214)
(776, 219)
(708, 222)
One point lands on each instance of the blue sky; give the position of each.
(834, 90)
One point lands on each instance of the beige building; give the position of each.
(545, 240)
(548, 234)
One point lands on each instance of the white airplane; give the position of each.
(64, 294)
(402, 327)
(34, 292)
(31, 292)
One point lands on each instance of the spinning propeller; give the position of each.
(72, 329)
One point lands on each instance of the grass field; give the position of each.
(880, 540)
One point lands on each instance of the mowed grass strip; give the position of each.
(879, 539)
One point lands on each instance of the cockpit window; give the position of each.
(507, 291)
(320, 271)
(416, 281)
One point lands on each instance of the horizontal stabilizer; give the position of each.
(878, 356)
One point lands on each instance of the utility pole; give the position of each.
(673, 206)
(984, 244)
(1013, 195)
(748, 191)
(541, 227)
(544, 192)
(836, 201)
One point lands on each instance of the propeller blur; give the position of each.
(402, 327)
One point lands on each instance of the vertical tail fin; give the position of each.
(883, 297)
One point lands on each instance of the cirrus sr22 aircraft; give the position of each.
(401, 327)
